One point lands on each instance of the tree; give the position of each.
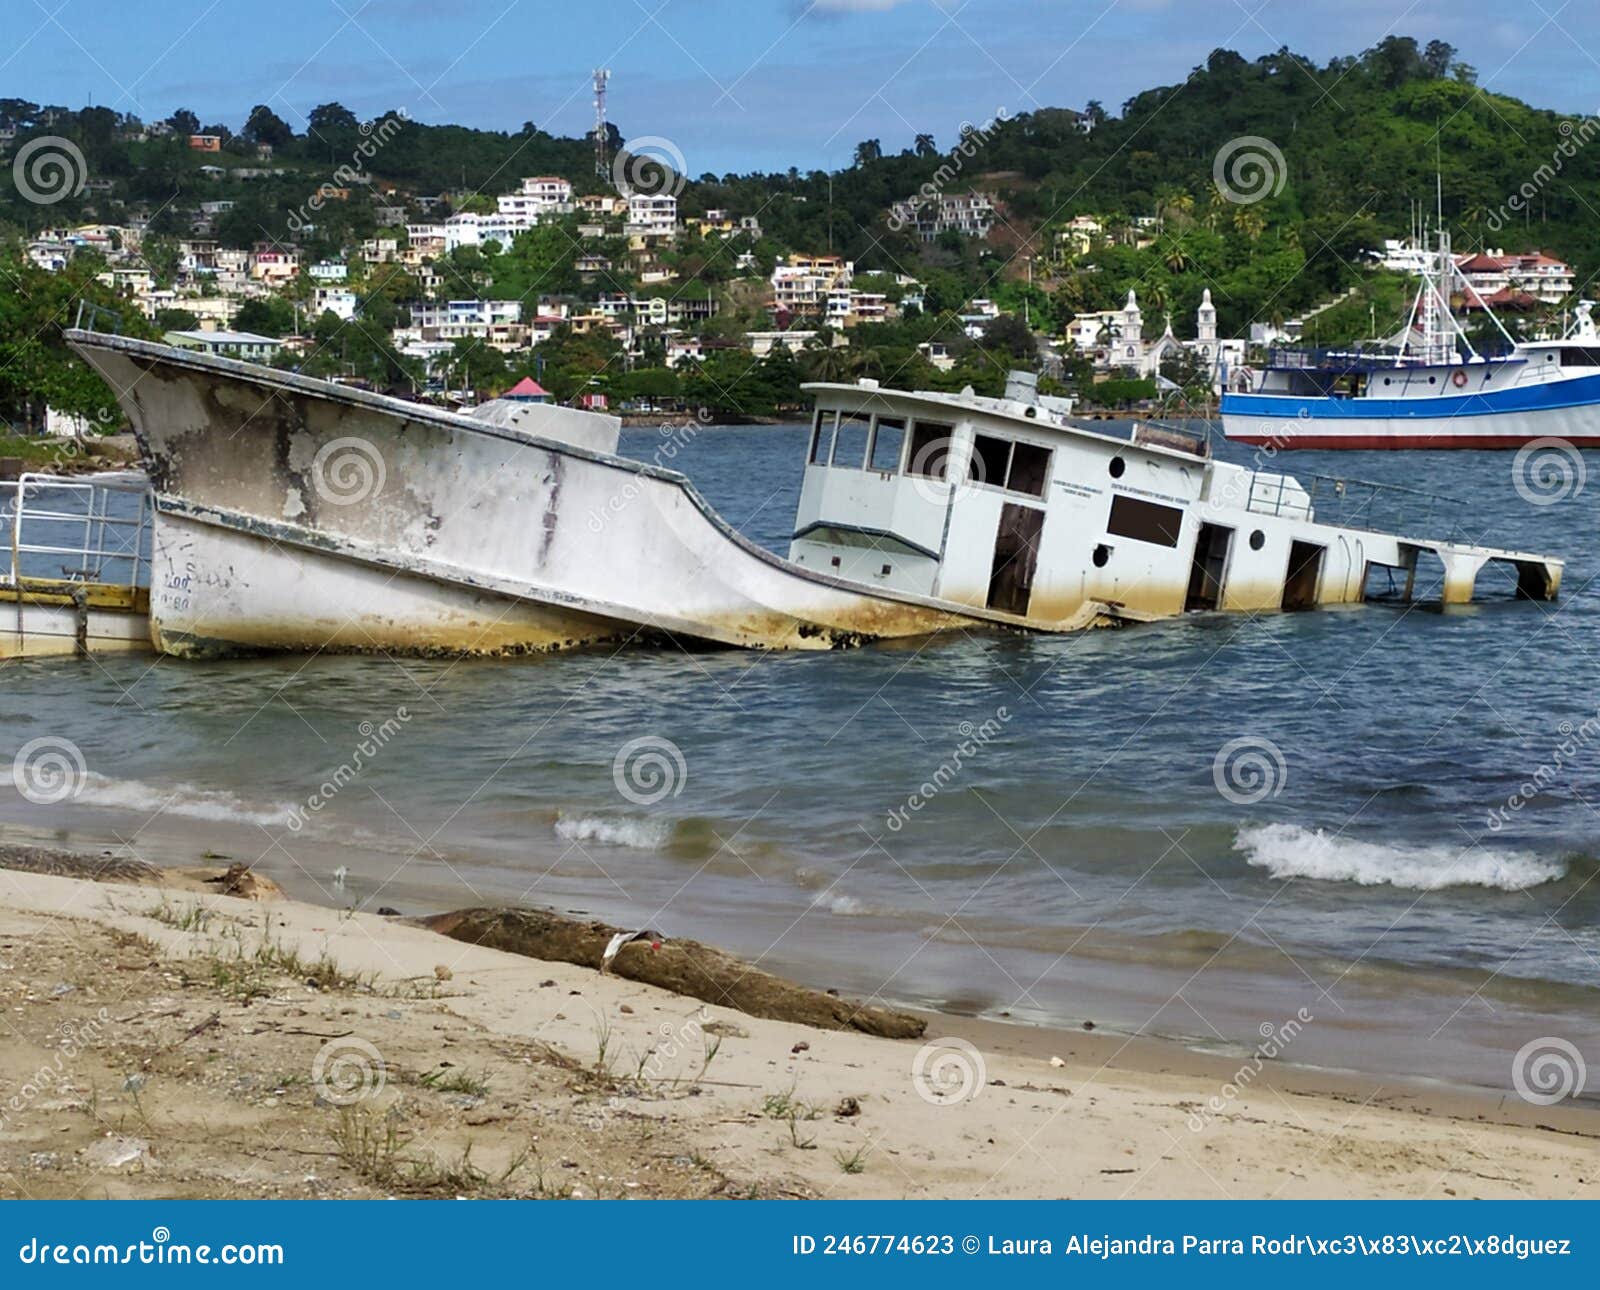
(176, 320)
(266, 126)
(266, 317)
(330, 118)
(925, 146)
(868, 151)
(1437, 57)
(37, 370)
(184, 121)
(1008, 335)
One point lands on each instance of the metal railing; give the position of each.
(1356, 504)
(90, 317)
(76, 530)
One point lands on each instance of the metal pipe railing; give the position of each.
(49, 517)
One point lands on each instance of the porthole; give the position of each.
(1258, 539)
(1117, 467)
(1102, 553)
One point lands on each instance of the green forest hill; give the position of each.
(1363, 140)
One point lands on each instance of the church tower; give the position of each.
(1130, 333)
(1206, 318)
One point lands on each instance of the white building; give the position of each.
(803, 284)
(970, 214)
(464, 313)
(541, 196)
(341, 302)
(651, 216)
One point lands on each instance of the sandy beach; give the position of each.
(165, 1040)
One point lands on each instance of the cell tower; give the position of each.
(602, 162)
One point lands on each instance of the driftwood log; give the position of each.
(682, 966)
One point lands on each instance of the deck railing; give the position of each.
(76, 530)
(1357, 504)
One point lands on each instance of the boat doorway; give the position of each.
(1305, 572)
(1016, 556)
(1210, 563)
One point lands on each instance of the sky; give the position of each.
(735, 85)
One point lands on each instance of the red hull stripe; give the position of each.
(1382, 441)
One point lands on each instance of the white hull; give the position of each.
(55, 631)
(1578, 426)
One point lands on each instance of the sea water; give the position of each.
(1383, 817)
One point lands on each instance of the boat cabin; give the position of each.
(1004, 506)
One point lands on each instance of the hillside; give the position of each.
(1346, 151)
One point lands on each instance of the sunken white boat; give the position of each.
(298, 514)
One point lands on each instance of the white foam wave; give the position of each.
(617, 831)
(188, 800)
(1288, 851)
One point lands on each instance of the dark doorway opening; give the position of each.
(1016, 556)
(1305, 572)
(1210, 563)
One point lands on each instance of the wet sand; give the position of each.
(181, 1043)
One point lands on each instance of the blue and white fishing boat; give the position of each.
(1429, 389)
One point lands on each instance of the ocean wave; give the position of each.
(615, 830)
(1289, 851)
(188, 800)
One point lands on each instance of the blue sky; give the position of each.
(735, 84)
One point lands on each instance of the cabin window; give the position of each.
(990, 459)
(822, 436)
(1030, 469)
(931, 442)
(850, 442)
(888, 438)
(1144, 521)
(1579, 356)
(1116, 467)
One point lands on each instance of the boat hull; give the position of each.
(294, 515)
(1565, 410)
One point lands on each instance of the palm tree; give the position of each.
(1174, 204)
(1177, 259)
(1249, 221)
(925, 146)
(824, 362)
(864, 362)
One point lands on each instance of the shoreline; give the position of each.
(778, 1109)
(1207, 1001)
